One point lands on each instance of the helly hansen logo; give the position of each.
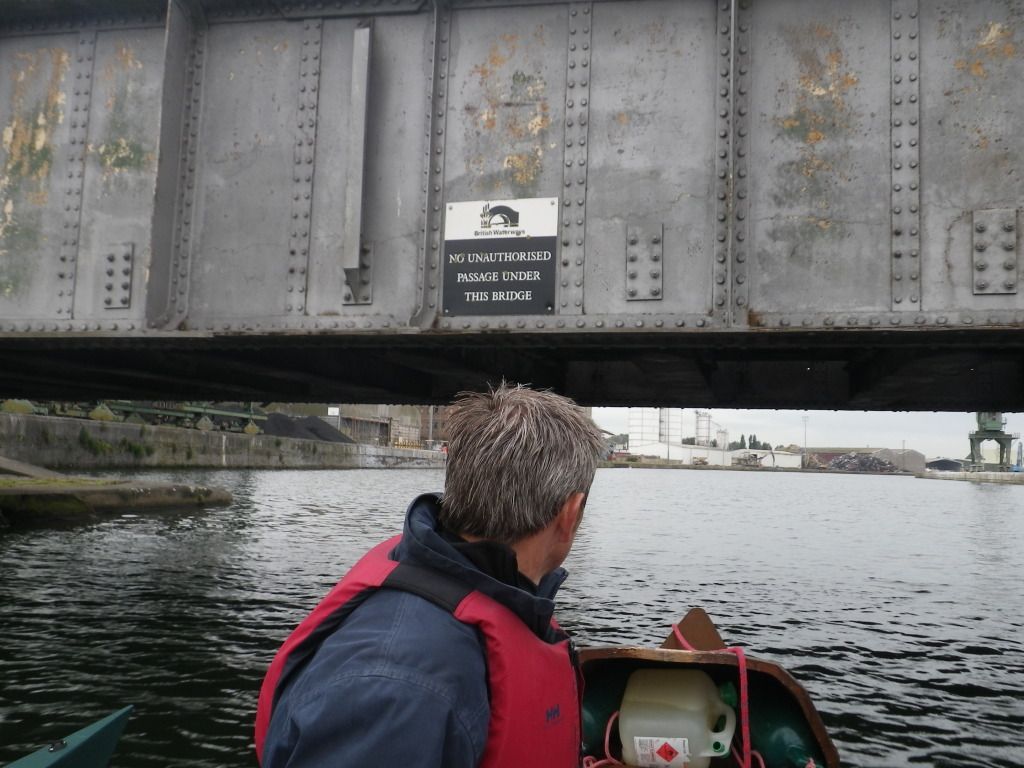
(552, 715)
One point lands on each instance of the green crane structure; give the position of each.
(991, 426)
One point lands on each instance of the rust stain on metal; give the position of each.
(525, 166)
(36, 108)
(122, 147)
(823, 83)
(995, 45)
(123, 60)
(539, 122)
(982, 141)
(817, 120)
(997, 41)
(27, 138)
(509, 116)
(976, 68)
(985, 54)
(497, 57)
(522, 126)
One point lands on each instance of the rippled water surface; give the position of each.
(897, 602)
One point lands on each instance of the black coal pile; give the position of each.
(306, 428)
(861, 462)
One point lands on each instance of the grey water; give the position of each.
(896, 602)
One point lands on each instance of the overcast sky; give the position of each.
(933, 434)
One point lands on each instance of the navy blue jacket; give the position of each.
(401, 682)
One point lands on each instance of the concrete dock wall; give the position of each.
(80, 444)
(1008, 478)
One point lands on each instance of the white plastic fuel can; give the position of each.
(668, 718)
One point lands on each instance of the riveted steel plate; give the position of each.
(37, 214)
(503, 135)
(116, 274)
(819, 213)
(971, 155)
(245, 169)
(395, 147)
(644, 263)
(809, 165)
(652, 144)
(994, 252)
(121, 169)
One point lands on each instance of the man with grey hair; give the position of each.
(439, 648)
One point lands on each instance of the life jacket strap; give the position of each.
(439, 588)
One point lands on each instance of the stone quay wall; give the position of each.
(82, 444)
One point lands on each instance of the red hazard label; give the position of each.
(666, 752)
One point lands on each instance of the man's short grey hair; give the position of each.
(515, 455)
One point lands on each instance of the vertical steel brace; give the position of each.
(574, 189)
(739, 253)
(303, 159)
(79, 107)
(906, 156)
(429, 277)
(173, 134)
(723, 159)
(181, 259)
(356, 257)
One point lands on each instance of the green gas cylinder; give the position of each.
(778, 728)
(602, 697)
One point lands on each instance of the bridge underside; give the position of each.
(873, 371)
(763, 203)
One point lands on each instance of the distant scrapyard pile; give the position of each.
(861, 462)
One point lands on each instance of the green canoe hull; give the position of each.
(91, 747)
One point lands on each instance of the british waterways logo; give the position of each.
(498, 216)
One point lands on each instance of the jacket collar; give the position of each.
(423, 544)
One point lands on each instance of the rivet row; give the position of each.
(577, 120)
(246, 10)
(303, 163)
(73, 22)
(993, 254)
(739, 285)
(80, 98)
(723, 164)
(905, 213)
(181, 258)
(868, 321)
(433, 169)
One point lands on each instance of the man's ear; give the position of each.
(569, 516)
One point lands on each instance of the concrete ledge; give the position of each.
(30, 503)
(1007, 478)
(737, 468)
(11, 467)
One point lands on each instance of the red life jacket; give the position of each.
(534, 696)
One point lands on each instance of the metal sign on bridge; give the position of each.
(759, 202)
(500, 259)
